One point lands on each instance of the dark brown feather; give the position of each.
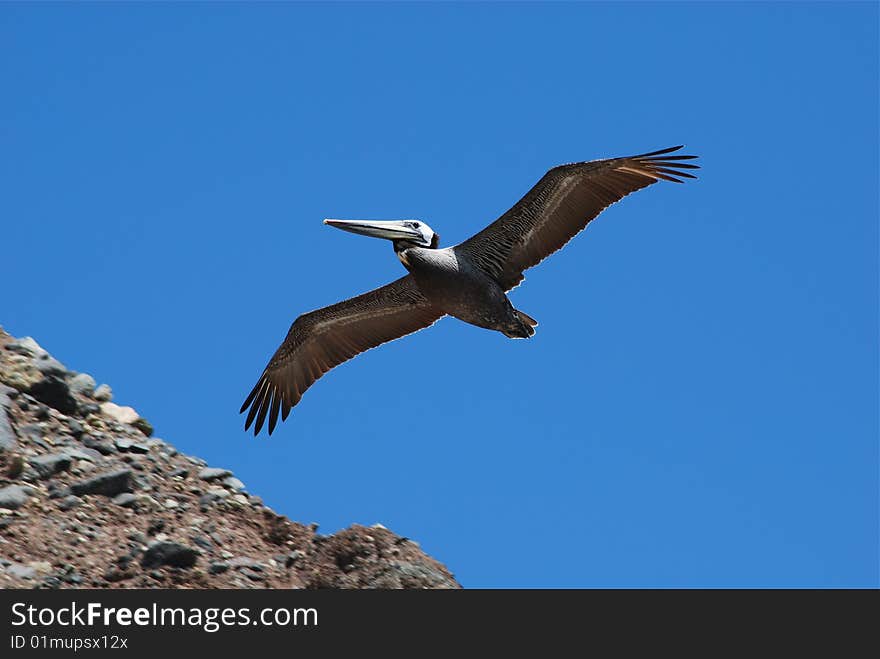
(321, 339)
(560, 205)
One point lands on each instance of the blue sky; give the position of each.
(699, 406)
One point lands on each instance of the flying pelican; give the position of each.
(468, 281)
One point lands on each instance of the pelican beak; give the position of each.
(388, 229)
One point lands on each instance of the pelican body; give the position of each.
(447, 277)
(469, 281)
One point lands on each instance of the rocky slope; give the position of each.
(89, 499)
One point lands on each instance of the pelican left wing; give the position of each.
(560, 205)
(322, 339)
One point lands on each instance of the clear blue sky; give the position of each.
(699, 406)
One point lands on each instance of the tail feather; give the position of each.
(526, 318)
(521, 327)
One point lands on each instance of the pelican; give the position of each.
(469, 281)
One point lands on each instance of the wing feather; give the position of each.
(322, 339)
(561, 205)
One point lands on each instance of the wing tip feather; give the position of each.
(660, 165)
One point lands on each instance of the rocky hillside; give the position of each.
(90, 499)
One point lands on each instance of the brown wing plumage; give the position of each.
(560, 205)
(321, 339)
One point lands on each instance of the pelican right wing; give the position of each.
(560, 205)
(322, 339)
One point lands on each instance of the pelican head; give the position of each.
(403, 233)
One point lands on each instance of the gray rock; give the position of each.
(180, 471)
(54, 392)
(169, 553)
(252, 575)
(14, 466)
(218, 567)
(206, 500)
(143, 483)
(156, 526)
(399, 574)
(218, 492)
(32, 432)
(109, 484)
(245, 562)
(214, 473)
(48, 365)
(133, 460)
(89, 454)
(103, 393)
(57, 491)
(126, 500)
(51, 582)
(76, 427)
(293, 557)
(202, 542)
(13, 497)
(82, 383)
(102, 447)
(233, 484)
(114, 574)
(88, 408)
(143, 425)
(69, 502)
(26, 346)
(21, 571)
(8, 441)
(130, 446)
(47, 466)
